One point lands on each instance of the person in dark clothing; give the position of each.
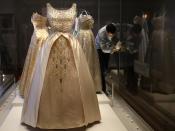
(105, 42)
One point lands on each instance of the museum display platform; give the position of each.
(110, 121)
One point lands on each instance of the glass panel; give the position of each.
(8, 51)
(146, 78)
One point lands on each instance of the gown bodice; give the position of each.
(86, 22)
(61, 20)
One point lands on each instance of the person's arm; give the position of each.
(103, 43)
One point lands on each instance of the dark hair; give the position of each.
(110, 28)
(136, 29)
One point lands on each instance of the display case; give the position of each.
(8, 52)
(148, 84)
(145, 80)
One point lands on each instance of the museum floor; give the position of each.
(119, 117)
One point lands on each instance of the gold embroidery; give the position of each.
(61, 59)
(61, 20)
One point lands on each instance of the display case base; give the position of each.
(109, 121)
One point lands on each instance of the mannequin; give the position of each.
(87, 42)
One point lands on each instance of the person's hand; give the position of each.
(117, 47)
(113, 51)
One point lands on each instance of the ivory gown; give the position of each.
(39, 36)
(62, 94)
(87, 41)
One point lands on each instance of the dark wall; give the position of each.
(130, 8)
(8, 34)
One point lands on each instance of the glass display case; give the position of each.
(146, 81)
(8, 52)
(144, 78)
